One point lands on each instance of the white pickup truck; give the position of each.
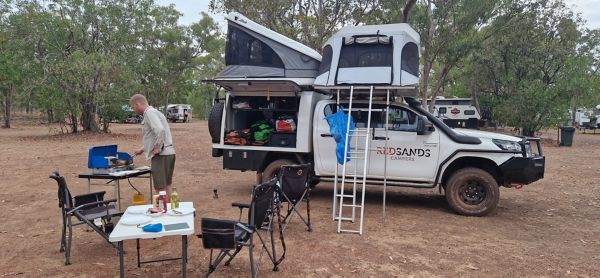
(421, 150)
(273, 114)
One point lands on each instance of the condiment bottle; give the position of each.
(174, 199)
(162, 200)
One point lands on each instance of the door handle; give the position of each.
(326, 135)
(380, 138)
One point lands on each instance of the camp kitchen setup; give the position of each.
(108, 167)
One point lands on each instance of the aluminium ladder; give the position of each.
(357, 154)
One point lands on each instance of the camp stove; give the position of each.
(107, 160)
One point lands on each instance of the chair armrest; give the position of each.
(248, 228)
(99, 193)
(105, 202)
(240, 205)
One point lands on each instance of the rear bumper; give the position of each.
(523, 170)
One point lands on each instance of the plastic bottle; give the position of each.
(174, 199)
(162, 200)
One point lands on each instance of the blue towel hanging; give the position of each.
(338, 122)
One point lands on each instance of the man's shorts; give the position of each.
(162, 170)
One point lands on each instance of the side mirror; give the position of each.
(424, 126)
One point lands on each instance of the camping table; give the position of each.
(125, 232)
(115, 178)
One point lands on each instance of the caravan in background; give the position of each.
(456, 112)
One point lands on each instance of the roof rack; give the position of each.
(378, 90)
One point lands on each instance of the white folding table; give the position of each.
(126, 232)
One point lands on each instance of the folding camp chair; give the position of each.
(294, 181)
(88, 209)
(231, 236)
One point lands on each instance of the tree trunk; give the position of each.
(475, 99)
(29, 107)
(73, 123)
(573, 112)
(50, 114)
(426, 53)
(527, 132)
(407, 9)
(105, 125)
(438, 87)
(88, 114)
(8, 102)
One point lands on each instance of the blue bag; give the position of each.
(338, 123)
(153, 228)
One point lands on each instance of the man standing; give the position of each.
(158, 144)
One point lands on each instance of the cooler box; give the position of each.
(278, 139)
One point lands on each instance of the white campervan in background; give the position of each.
(179, 113)
(456, 112)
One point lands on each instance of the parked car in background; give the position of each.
(179, 113)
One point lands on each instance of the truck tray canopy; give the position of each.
(253, 51)
(371, 55)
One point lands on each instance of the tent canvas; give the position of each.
(253, 51)
(371, 55)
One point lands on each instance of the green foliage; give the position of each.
(533, 66)
(80, 61)
(310, 22)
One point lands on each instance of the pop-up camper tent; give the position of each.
(371, 55)
(254, 52)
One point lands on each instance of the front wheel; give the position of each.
(472, 192)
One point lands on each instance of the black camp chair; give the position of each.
(229, 237)
(295, 186)
(86, 208)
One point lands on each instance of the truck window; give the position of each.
(469, 112)
(401, 119)
(360, 115)
(442, 110)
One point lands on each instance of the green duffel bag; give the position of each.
(261, 130)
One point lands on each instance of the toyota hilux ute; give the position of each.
(409, 147)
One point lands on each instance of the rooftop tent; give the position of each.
(253, 51)
(371, 55)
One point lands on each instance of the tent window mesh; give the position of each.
(244, 49)
(410, 59)
(366, 55)
(326, 60)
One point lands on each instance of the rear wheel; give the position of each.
(472, 192)
(272, 170)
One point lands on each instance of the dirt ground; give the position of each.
(549, 228)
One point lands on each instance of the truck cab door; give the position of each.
(407, 156)
(324, 144)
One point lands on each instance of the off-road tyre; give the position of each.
(272, 170)
(214, 122)
(472, 192)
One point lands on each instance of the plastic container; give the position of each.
(174, 199)
(566, 135)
